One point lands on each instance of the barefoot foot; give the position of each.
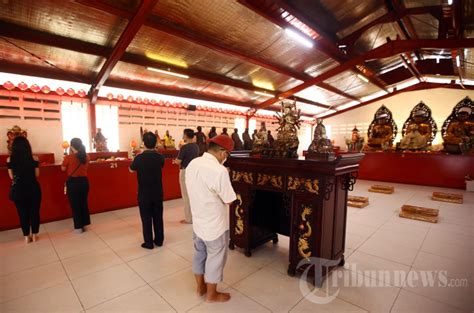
(218, 297)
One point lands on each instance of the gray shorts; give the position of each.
(210, 257)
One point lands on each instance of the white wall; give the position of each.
(44, 136)
(441, 102)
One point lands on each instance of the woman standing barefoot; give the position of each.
(26, 192)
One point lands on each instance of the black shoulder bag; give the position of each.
(65, 184)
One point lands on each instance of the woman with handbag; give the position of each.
(23, 169)
(77, 184)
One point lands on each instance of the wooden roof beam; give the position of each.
(391, 17)
(156, 23)
(25, 34)
(40, 71)
(136, 22)
(325, 42)
(387, 50)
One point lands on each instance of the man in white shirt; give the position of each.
(210, 193)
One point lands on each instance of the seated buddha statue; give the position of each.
(382, 132)
(458, 131)
(261, 140)
(321, 146)
(419, 129)
(413, 139)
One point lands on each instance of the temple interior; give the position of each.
(340, 133)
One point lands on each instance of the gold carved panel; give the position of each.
(305, 184)
(271, 180)
(246, 177)
(305, 233)
(239, 220)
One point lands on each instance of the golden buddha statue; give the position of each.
(419, 129)
(382, 130)
(413, 140)
(458, 129)
(321, 146)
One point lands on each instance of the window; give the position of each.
(107, 120)
(75, 122)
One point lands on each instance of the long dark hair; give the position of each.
(76, 143)
(21, 152)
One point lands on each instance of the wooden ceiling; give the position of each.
(229, 50)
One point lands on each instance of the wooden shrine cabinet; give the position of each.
(303, 199)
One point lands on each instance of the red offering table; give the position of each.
(112, 187)
(44, 158)
(429, 169)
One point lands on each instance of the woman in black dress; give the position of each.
(26, 192)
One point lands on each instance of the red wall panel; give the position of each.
(112, 187)
(428, 169)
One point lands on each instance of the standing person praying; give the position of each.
(149, 165)
(25, 190)
(187, 153)
(210, 193)
(77, 185)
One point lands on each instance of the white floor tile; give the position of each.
(272, 289)
(408, 302)
(179, 289)
(109, 269)
(90, 262)
(59, 299)
(101, 286)
(22, 283)
(158, 265)
(143, 299)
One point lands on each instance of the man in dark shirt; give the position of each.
(212, 133)
(224, 131)
(187, 153)
(148, 166)
(201, 141)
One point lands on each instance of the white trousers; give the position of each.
(184, 193)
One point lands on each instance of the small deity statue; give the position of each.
(159, 141)
(458, 129)
(321, 146)
(356, 143)
(100, 142)
(419, 129)
(12, 133)
(382, 130)
(286, 144)
(169, 141)
(261, 140)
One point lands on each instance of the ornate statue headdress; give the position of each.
(383, 112)
(421, 109)
(465, 105)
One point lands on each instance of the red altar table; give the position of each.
(112, 187)
(44, 158)
(429, 169)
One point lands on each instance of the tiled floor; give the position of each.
(106, 270)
